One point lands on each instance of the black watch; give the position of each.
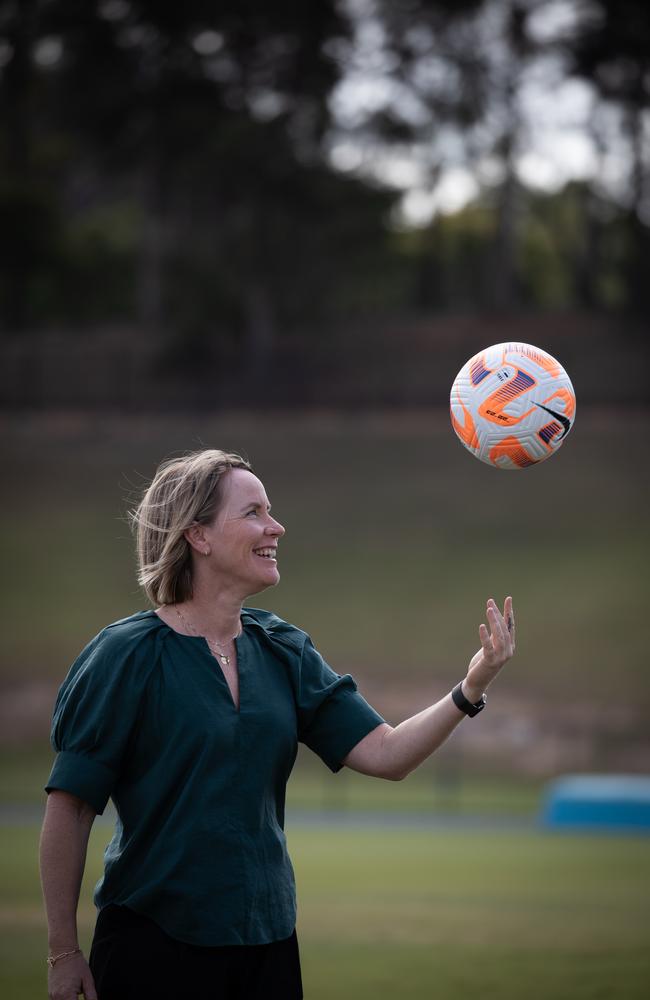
(461, 702)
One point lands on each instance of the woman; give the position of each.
(188, 716)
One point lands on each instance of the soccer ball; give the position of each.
(512, 405)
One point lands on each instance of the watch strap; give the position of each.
(461, 702)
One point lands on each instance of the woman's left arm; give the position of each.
(393, 753)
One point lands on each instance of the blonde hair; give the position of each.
(185, 491)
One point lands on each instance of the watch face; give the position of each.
(476, 708)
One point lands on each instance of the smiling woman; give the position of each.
(189, 716)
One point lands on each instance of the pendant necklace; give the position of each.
(221, 656)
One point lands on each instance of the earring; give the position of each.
(207, 552)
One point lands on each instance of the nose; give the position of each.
(274, 528)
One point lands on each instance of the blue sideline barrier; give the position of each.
(598, 801)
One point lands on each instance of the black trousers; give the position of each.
(133, 959)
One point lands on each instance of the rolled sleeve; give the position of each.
(341, 722)
(96, 716)
(82, 776)
(333, 716)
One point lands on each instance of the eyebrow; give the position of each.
(255, 504)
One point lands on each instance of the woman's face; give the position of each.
(243, 537)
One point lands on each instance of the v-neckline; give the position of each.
(236, 705)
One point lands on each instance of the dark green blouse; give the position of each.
(145, 717)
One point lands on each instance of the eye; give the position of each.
(253, 511)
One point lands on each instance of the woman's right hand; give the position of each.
(70, 977)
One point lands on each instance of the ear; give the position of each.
(195, 537)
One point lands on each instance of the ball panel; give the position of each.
(463, 423)
(478, 370)
(510, 453)
(549, 431)
(565, 399)
(508, 390)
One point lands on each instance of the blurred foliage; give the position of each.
(165, 164)
(460, 73)
(452, 259)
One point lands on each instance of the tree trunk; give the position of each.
(259, 336)
(638, 290)
(504, 284)
(17, 114)
(504, 290)
(153, 246)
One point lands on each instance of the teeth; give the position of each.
(266, 553)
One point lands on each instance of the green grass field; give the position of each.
(451, 915)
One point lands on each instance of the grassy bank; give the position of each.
(395, 538)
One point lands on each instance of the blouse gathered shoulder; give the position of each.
(145, 717)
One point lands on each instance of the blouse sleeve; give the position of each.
(95, 717)
(332, 716)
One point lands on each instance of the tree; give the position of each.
(611, 48)
(30, 227)
(172, 106)
(457, 71)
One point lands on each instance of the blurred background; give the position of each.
(282, 229)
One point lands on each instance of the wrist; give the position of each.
(54, 958)
(57, 945)
(471, 691)
(470, 708)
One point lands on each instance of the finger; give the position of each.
(509, 616)
(484, 636)
(89, 991)
(495, 650)
(504, 632)
(505, 618)
(505, 648)
(497, 626)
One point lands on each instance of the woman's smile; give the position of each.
(270, 552)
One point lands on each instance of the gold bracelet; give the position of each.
(53, 959)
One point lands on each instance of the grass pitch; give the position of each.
(418, 913)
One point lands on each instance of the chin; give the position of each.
(262, 585)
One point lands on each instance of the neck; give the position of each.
(213, 610)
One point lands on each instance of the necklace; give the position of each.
(221, 656)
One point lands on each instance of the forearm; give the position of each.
(64, 842)
(393, 753)
(406, 746)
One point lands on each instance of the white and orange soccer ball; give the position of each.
(512, 405)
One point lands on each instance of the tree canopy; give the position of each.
(174, 164)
